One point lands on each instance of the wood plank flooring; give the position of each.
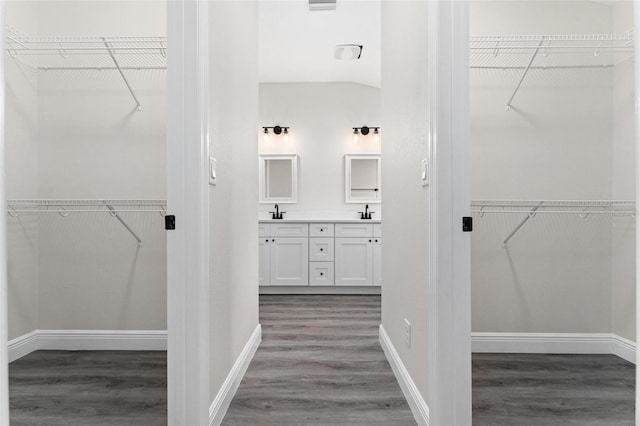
(539, 389)
(83, 388)
(320, 363)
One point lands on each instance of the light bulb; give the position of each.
(265, 136)
(376, 136)
(355, 136)
(286, 135)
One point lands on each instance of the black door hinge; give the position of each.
(467, 224)
(169, 222)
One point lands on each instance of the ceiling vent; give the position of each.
(322, 5)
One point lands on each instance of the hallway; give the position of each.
(319, 363)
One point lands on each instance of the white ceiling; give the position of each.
(297, 45)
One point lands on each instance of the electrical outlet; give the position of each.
(407, 333)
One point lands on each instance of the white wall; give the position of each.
(556, 143)
(234, 201)
(623, 234)
(321, 117)
(21, 150)
(92, 144)
(406, 235)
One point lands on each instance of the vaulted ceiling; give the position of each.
(297, 45)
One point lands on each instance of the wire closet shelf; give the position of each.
(530, 208)
(16, 208)
(525, 53)
(88, 53)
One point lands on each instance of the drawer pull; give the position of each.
(321, 229)
(273, 241)
(321, 273)
(266, 241)
(321, 249)
(369, 240)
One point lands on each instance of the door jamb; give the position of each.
(449, 303)
(188, 199)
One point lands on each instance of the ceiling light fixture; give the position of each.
(365, 130)
(348, 52)
(277, 130)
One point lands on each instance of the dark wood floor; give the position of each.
(82, 388)
(534, 389)
(320, 363)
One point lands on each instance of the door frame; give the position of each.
(449, 293)
(188, 199)
(4, 322)
(636, 25)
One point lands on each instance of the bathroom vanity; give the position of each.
(319, 252)
(304, 251)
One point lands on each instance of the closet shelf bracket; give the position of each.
(115, 62)
(115, 214)
(531, 215)
(524, 74)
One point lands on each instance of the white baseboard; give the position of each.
(23, 345)
(88, 340)
(624, 348)
(103, 340)
(554, 343)
(418, 406)
(221, 403)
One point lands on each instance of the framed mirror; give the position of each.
(362, 178)
(279, 178)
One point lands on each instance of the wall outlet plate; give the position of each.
(213, 171)
(424, 175)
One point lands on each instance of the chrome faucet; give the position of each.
(366, 214)
(277, 214)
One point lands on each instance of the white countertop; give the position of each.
(319, 217)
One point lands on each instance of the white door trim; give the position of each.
(188, 200)
(4, 354)
(636, 8)
(449, 302)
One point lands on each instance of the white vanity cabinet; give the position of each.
(283, 255)
(358, 255)
(320, 254)
(354, 261)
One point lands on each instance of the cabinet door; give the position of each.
(354, 261)
(264, 261)
(377, 261)
(289, 261)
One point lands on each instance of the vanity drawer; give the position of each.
(321, 230)
(377, 230)
(289, 229)
(321, 273)
(264, 230)
(321, 249)
(354, 230)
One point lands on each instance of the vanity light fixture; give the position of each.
(277, 130)
(365, 130)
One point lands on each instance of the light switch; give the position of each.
(212, 171)
(425, 172)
